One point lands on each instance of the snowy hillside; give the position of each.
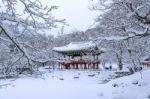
(129, 87)
(78, 85)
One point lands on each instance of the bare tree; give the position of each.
(14, 25)
(128, 21)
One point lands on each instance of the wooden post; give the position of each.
(59, 65)
(93, 65)
(88, 65)
(97, 58)
(77, 66)
(85, 66)
(97, 65)
(73, 65)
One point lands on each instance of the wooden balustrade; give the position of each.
(147, 64)
(80, 64)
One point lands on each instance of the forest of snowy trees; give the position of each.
(123, 30)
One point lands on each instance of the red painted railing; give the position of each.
(78, 63)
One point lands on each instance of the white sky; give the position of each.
(76, 13)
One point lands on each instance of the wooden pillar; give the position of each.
(77, 66)
(73, 65)
(59, 65)
(80, 65)
(88, 66)
(93, 65)
(69, 66)
(97, 58)
(85, 66)
(97, 65)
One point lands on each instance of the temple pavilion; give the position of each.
(79, 55)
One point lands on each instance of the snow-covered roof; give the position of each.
(73, 46)
(77, 47)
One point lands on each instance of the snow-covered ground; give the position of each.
(78, 85)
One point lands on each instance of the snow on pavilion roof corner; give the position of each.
(75, 46)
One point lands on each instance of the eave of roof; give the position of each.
(78, 48)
